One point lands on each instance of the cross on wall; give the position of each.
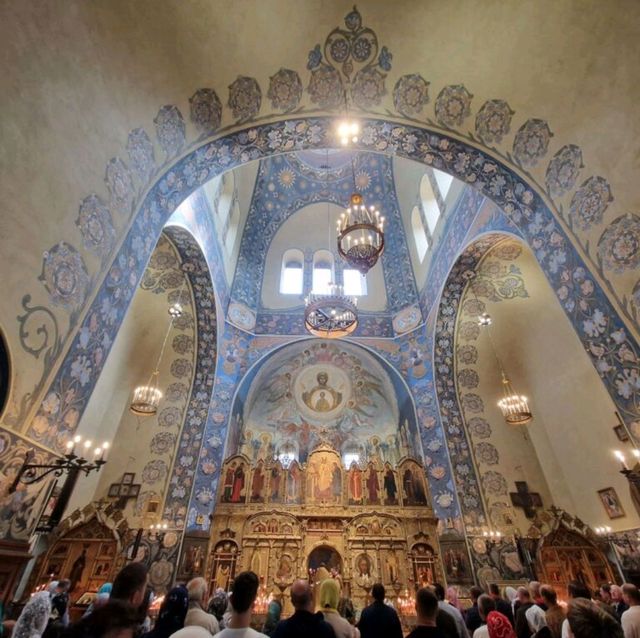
(528, 501)
(125, 490)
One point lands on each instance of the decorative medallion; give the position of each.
(245, 98)
(176, 392)
(154, 471)
(65, 276)
(563, 170)
(468, 378)
(531, 142)
(160, 574)
(479, 427)
(241, 316)
(285, 90)
(170, 417)
(141, 154)
(170, 129)
(493, 121)
(411, 94)
(472, 403)
(162, 443)
(353, 59)
(118, 181)
(407, 319)
(619, 245)
(487, 453)
(453, 105)
(96, 227)
(467, 354)
(494, 483)
(590, 202)
(181, 368)
(206, 110)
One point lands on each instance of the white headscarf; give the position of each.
(34, 616)
(536, 618)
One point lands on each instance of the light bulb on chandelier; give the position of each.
(515, 407)
(348, 131)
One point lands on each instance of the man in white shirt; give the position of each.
(243, 595)
(448, 608)
(197, 616)
(631, 617)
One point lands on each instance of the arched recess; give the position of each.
(593, 316)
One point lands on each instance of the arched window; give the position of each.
(444, 181)
(355, 283)
(322, 272)
(292, 274)
(419, 233)
(429, 203)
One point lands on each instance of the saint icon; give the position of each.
(322, 397)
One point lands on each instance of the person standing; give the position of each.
(196, 615)
(617, 601)
(486, 605)
(448, 608)
(502, 605)
(522, 624)
(243, 595)
(329, 599)
(426, 612)
(172, 613)
(631, 617)
(586, 620)
(379, 620)
(472, 618)
(303, 622)
(34, 617)
(59, 617)
(555, 614)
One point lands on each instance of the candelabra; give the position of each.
(631, 474)
(155, 533)
(30, 473)
(607, 535)
(492, 538)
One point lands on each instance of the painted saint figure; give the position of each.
(276, 478)
(390, 488)
(373, 486)
(257, 485)
(228, 483)
(355, 484)
(336, 482)
(293, 483)
(322, 397)
(238, 484)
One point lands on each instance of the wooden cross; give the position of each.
(124, 490)
(528, 501)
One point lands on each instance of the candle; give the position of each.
(620, 456)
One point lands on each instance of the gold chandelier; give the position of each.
(146, 398)
(514, 406)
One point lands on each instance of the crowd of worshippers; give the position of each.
(120, 610)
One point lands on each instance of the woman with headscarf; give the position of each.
(218, 605)
(274, 611)
(34, 617)
(102, 598)
(172, 613)
(537, 622)
(329, 599)
(511, 594)
(499, 626)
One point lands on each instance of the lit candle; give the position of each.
(70, 447)
(620, 456)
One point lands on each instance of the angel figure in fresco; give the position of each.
(355, 483)
(390, 488)
(373, 486)
(238, 484)
(293, 483)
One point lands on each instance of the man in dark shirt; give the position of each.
(522, 624)
(426, 610)
(379, 620)
(502, 605)
(472, 618)
(303, 622)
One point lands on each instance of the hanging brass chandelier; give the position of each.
(514, 406)
(146, 398)
(360, 234)
(331, 316)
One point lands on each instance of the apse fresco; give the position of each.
(314, 392)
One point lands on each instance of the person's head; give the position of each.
(523, 595)
(197, 590)
(218, 603)
(605, 593)
(549, 595)
(475, 593)
(616, 593)
(426, 607)
(130, 584)
(301, 596)
(243, 592)
(172, 612)
(511, 593)
(452, 595)
(34, 616)
(378, 593)
(115, 619)
(630, 594)
(536, 618)
(486, 605)
(576, 589)
(63, 586)
(494, 590)
(329, 594)
(587, 620)
(534, 588)
(438, 590)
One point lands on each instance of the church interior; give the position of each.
(304, 289)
